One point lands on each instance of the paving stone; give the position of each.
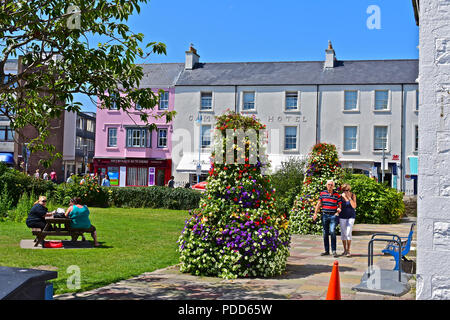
(307, 276)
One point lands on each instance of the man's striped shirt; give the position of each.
(330, 201)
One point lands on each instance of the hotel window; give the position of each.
(137, 176)
(249, 101)
(162, 138)
(206, 101)
(163, 101)
(381, 99)
(137, 138)
(6, 133)
(380, 138)
(350, 100)
(416, 138)
(291, 101)
(112, 137)
(290, 138)
(350, 138)
(206, 136)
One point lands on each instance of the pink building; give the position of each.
(125, 149)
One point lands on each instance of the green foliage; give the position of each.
(288, 177)
(322, 165)
(153, 197)
(287, 182)
(90, 192)
(19, 183)
(5, 203)
(20, 212)
(59, 61)
(236, 231)
(376, 203)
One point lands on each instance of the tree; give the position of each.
(322, 165)
(236, 231)
(56, 61)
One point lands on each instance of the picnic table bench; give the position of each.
(57, 227)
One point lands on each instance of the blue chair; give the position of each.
(393, 249)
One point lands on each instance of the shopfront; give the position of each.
(134, 172)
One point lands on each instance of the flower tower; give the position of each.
(322, 165)
(236, 231)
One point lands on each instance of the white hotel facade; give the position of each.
(359, 106)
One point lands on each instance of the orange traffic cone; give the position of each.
(334, 288)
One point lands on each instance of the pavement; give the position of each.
(307, 275)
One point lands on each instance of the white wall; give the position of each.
(333, 118)
(433, 220)
(269, 110)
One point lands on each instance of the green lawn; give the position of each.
(133, 241)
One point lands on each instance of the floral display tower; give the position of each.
(322, 165)
(236, 231)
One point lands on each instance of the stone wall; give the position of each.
(410, 206)
(433, 216)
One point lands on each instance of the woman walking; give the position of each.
(347, 217)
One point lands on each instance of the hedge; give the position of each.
(153, 197)
(17, 184)
(376, 203)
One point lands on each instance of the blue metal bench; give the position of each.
(392, 248)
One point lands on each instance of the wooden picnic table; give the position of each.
(56, 227)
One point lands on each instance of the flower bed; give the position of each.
(322, 165)
(236, 231)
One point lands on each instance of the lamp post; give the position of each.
(199, 165)
(383, 158)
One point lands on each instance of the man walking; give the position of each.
(331, 202)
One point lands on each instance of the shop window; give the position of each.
(137, 176)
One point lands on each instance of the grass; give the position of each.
(133, 241)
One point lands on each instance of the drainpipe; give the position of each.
(317, 115)
(402, 163)
(235, 99)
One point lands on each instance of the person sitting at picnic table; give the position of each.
(37, 214)
(80, 218)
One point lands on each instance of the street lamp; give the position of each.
(199, 165)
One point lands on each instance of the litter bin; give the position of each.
(25, 284)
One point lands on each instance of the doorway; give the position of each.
(160, 177)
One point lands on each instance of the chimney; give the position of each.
(330, 56)
(192, 58)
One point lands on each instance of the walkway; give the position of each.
(307, 276)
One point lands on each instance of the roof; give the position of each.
(160, 75)
(301, 73)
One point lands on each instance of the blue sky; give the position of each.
(283, 30)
